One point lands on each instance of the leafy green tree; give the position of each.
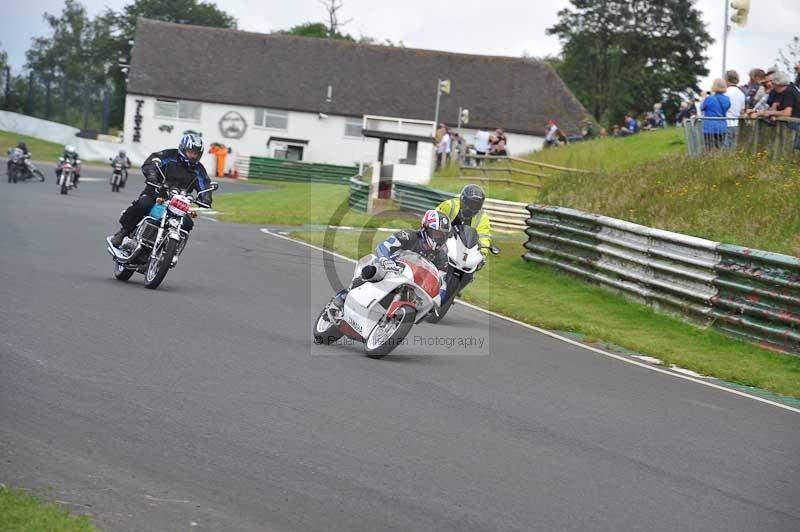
(790, 56)
(626, 55)
(317, 30)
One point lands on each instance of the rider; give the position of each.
(122, 159)
(70, 155)
(179, 168)
(467, 210)
(430, 241)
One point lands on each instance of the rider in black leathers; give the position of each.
(182, 169)
(22, 146)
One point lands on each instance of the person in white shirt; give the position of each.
(551, 134)
(481, 143)
(443, 150)
(738, 103)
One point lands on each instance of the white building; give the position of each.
(304, 98)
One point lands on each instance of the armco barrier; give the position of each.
(286, 170)
(359, 195)
(749, 293)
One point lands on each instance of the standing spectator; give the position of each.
(481, 143)
(440, 131)
(736, 95)
(715, 106)
(660, 118)
(631, 126)
(684, 113)
(784, 100)
(797, 76)
(551, 134)
(498, 144)
(753, 85)
(762, 96)
(443, 149)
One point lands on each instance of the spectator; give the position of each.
(715, 106)
(498, 144)
(784, 100)
(631, 126)
(587, 131)
(440, 131)
(481, 142)
(737, 98)
(762, 96)
(797, 76)
(684, 113)
(753, 85)
(660, 118)
(551, 134)
(615, 132)
(603, 133)
(443, 149)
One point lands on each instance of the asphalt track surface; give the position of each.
(204, 405)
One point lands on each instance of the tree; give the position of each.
(791, 56)
(625, 55)
(332, 7)
(317, 30)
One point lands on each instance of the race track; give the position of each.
(204, 405)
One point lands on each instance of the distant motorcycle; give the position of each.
(464, 259)
(66, 180)
(117, 180)
(159, 238)
(21, 167)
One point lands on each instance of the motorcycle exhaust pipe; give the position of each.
(119, 257)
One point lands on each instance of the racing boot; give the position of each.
(116, 238)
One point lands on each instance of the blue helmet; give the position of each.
(190, 149)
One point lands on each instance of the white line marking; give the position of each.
(568, 340)
(649, 360)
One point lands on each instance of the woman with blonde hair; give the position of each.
(715, 107)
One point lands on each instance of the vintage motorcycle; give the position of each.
(66, 180)
(464, 259)
(380, 314)
(21, 167)
(159, 239)
(117, 180)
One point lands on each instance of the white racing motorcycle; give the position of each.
(380, 314)
(464, 258)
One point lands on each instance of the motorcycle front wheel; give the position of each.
(39, 175)
(325, 331)
(390, 333)
(121, 273)
(64, 187)
(159, 265)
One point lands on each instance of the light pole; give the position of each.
(442, 87)
(726, 29)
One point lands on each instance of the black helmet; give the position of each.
(21, 145)
(472, 197)
(190, 143)
(435, 228)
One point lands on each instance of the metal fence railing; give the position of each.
(249, 166)
(778, 138)
(749, 293)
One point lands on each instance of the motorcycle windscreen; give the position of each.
(426, 276)
(468, 235)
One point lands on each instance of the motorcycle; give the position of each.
(67, 178)
(117, 180)
(380, 314)
(21, 167)
(158, 240)
(464, 259)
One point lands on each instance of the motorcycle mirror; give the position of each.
(214, 185)
(494, 250)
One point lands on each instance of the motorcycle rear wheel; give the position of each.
(40, 175)
(159, 265)
(386, 336)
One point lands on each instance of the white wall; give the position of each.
(517, 145)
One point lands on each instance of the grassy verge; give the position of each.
(555, 301)
(22, 513)
(300, 203)
(42, 150)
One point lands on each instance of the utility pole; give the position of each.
(442, 87)
(8, 87)
(725, 31)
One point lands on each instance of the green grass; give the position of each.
(743, 199)
(22, 513)
(298, 204)
(548, 299)
(41, 150)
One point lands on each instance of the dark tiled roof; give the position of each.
(287, 72)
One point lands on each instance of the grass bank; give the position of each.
(548, 299)
(42, 150)
(300, 203)
(22, 513)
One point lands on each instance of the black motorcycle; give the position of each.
(117, 175)
(159, 238)
(21, 168)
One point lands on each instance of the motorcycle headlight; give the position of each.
(174, 222)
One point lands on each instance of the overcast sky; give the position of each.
(508, 27)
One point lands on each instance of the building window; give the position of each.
(178, 109)
(352, 128)
(272, 118)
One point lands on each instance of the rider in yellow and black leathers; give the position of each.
(467, 209)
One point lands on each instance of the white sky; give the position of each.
(508, 27)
